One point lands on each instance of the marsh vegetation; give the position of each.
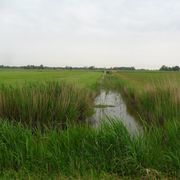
(45, 105)
(43, 131)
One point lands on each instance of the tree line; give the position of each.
(166, 68)
(40, 67)
(66, 67)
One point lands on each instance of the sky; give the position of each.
(101, 33)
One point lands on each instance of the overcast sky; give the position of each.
(103, 33)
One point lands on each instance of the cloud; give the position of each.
(75, 29)
(129, 15)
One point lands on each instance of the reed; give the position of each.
(80, 151)
(154, 101)
(45, 105)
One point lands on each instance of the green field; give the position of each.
(84, 78)
(144, 80)
(43, 133)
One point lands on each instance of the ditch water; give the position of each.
(111, 105)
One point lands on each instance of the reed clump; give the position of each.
(82, 150)
(155, 102)
(47, 105)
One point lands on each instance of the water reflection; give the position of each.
(111, 104)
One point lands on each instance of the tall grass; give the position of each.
(155, 102)
(49, 104)
(79, 151)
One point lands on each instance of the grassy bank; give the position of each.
(82, 152)
(154, 96)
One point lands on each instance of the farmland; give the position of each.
(43, 134)
(83, 78)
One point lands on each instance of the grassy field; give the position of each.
(56, 101)
(87, 79)
(141, 80)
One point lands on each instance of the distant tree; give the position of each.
(91, 67)
(166, 68)
(124, 68)
(176, 68)
(163, 68)
(41, 67)
(68, 67)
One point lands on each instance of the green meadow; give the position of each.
(87, 79)
(44, 134)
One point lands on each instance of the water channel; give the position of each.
(111, 105)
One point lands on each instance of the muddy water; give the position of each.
(111, 105)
